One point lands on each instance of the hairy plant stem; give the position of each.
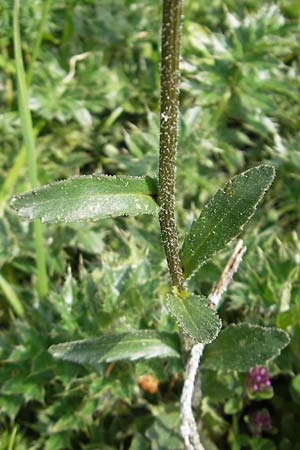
(169, 110)
(28, 136)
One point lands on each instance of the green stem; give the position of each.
(28, 136)
(12, 438)
(169, 110)
(13, 174)
(11, 297)
(11, 178)
(38, 41)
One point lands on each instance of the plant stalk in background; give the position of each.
(38, 41)
(28, 136)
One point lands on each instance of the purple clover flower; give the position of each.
(260, 421)
(258, 379)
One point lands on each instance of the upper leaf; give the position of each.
(240, 347)
(132, 345)
(224, 217)
(194, 317)
(88, 197)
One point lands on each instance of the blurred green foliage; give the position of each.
(99, 113)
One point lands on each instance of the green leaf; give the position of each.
(224, 217)
(194, 317)
(58, 440)
(233, 406)
(10, 405)
(216, 385)
(289, 318)
(240, 347)
(11, 297)
(295, 389)
(163, 433)
(139, 443)
(132, 345)
(88, 197)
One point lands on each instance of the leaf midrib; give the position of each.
(45, 202)
(222, 219)
(183, 303)
(98, 195)
(135, 341)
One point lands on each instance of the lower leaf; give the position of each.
(129, 346)
(241, 347)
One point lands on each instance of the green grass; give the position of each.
(28, 136)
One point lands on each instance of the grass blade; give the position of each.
(28, 136)
(11, 297)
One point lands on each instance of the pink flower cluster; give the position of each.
(258, 379)
(260, 421)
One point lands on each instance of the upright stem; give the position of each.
(19, 162)
(38, 41)
(169, 109)
(28, 136)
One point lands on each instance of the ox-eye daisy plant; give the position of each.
(237, 347)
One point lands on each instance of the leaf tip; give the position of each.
(269, 170)
(14, 204)
(54, 351)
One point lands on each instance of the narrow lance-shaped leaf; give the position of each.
(240, 347)
(88, 197)
(129, 346)
(224, 217)
(194, 317)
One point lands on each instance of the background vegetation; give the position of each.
(239, 106)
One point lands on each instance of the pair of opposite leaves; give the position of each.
(97, 197)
